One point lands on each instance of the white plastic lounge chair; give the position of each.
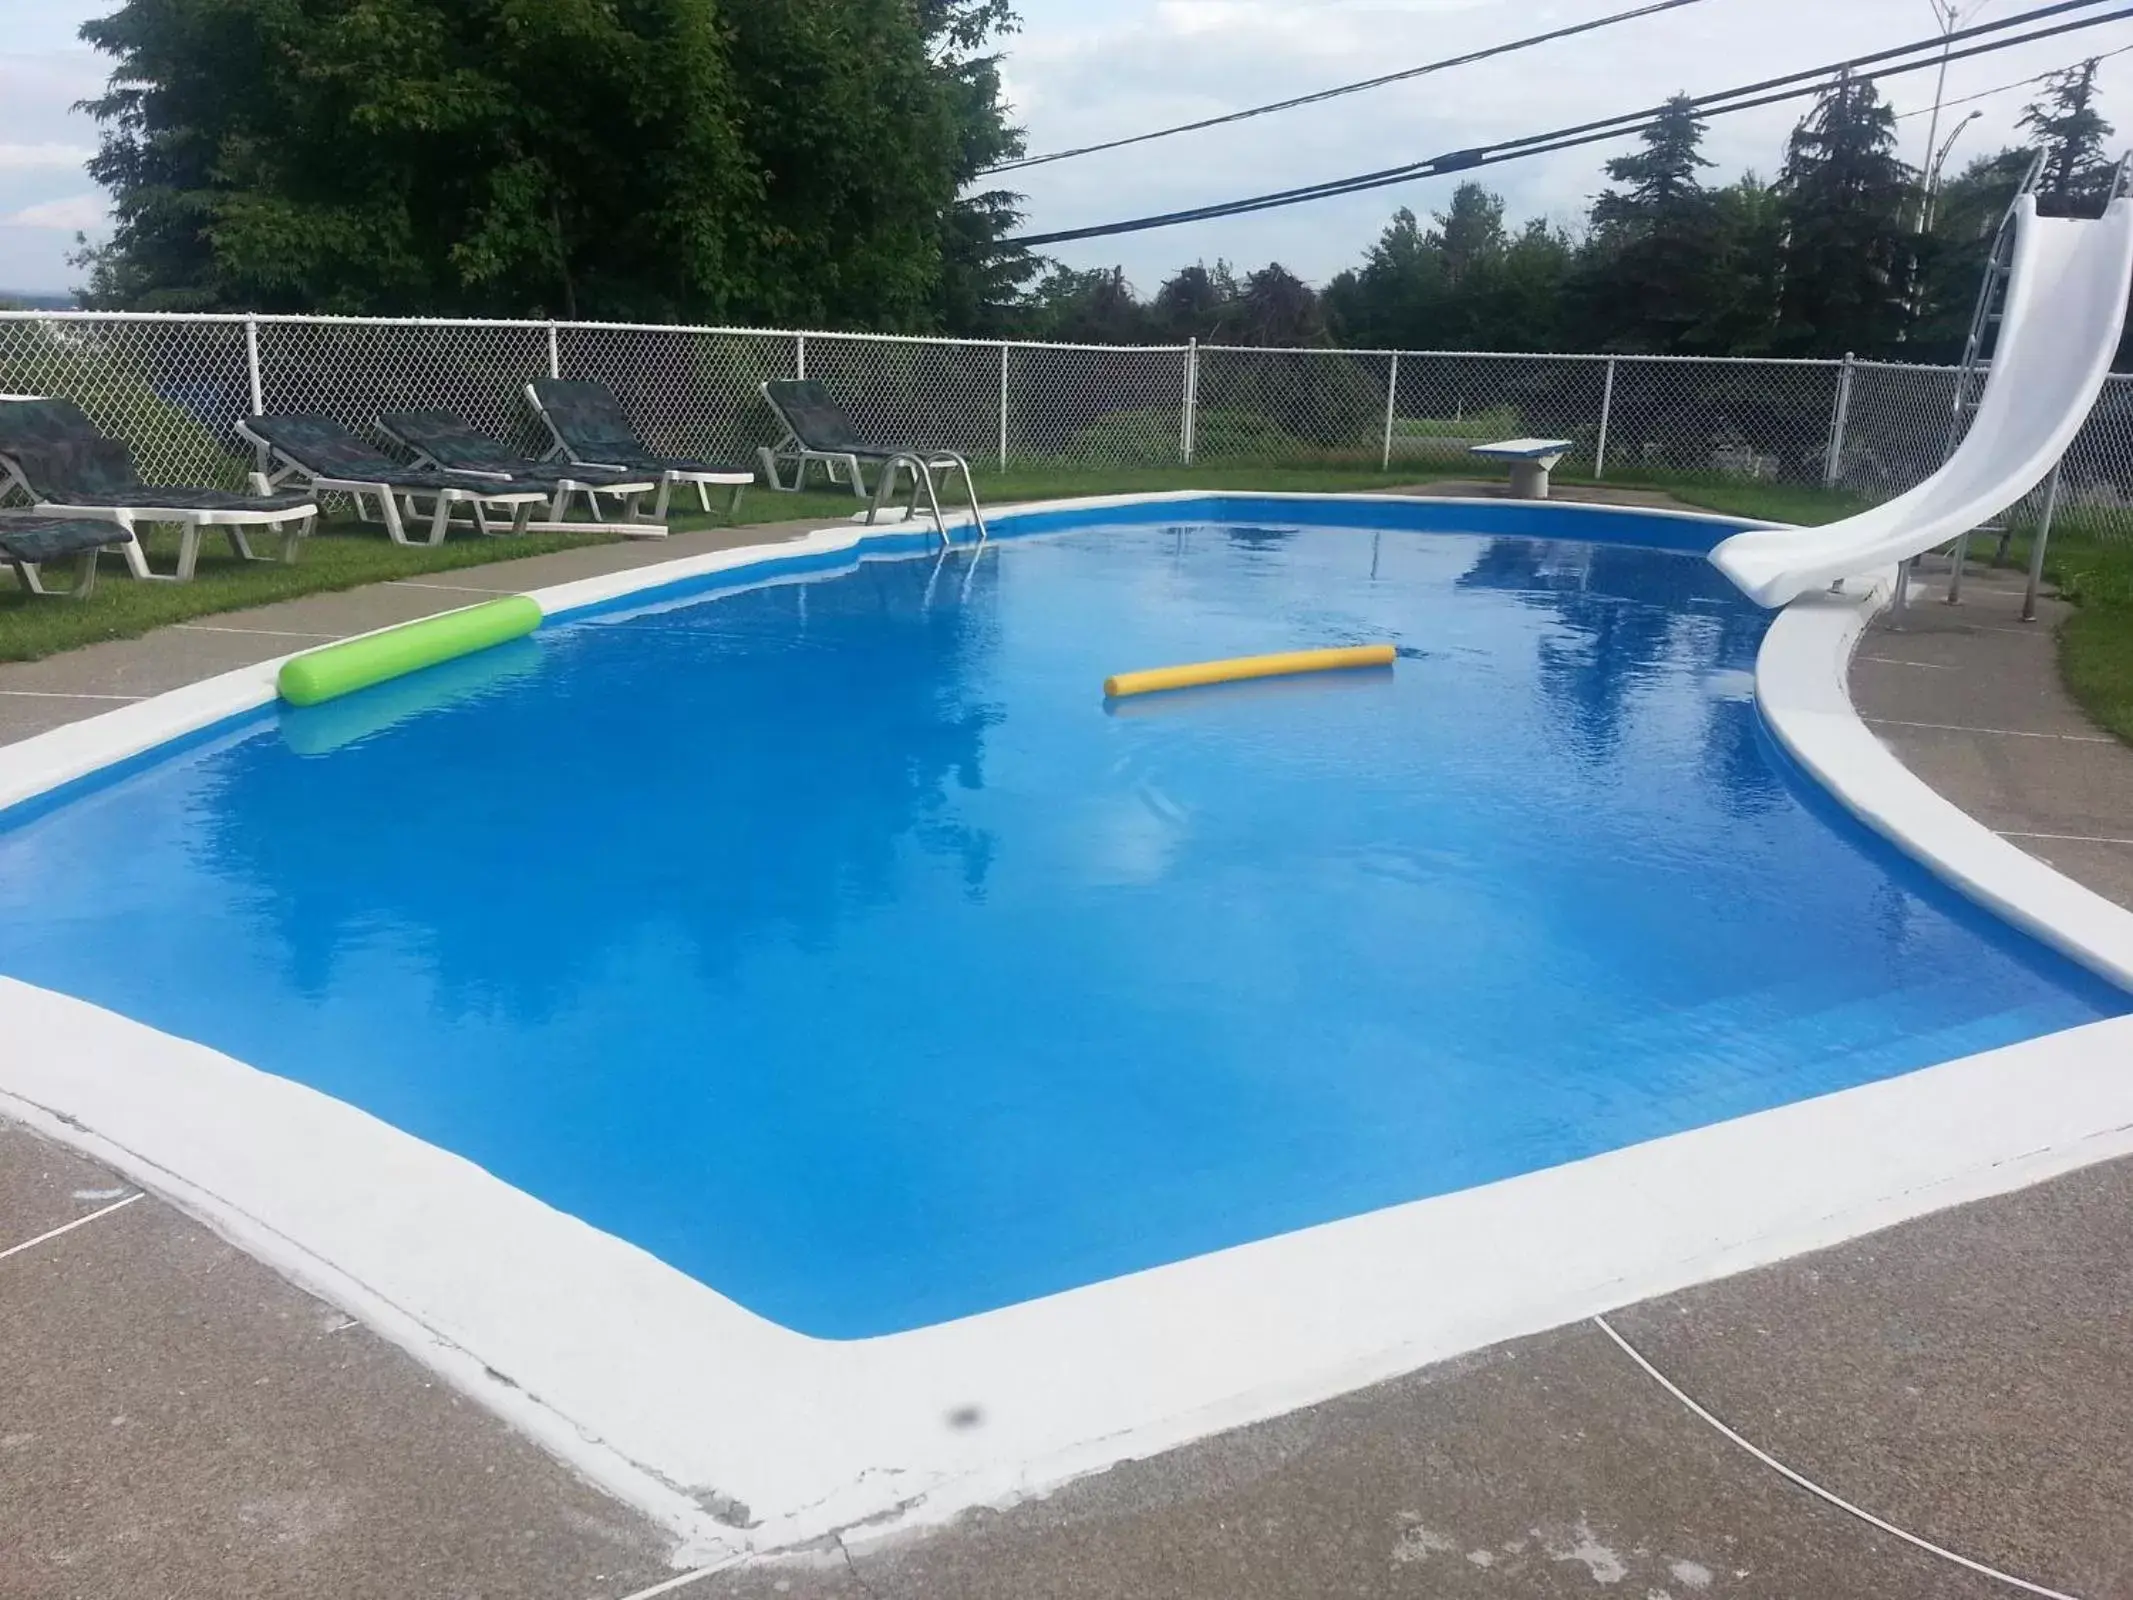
(53, 453)
(328, 459)
(28, 542)
(440, 439)
(817, 428)
(589, 428)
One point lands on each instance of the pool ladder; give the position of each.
(920, 466)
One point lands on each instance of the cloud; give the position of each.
(41, 157)
(74, 214)
(1088, 70)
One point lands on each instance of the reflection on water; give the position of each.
(1628, 618)
(835, 943)
(855, 716)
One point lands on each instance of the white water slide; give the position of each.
(2059, 327)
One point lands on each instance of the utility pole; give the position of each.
(1945, 10)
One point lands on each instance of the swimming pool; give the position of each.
(835, 943)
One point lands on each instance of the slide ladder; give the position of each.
(2052, 307)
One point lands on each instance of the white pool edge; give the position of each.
(683, 1404)
(1803, 693)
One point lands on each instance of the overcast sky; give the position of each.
(1086, 70)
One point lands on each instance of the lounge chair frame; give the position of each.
(635, 521)
(892, 463)
(398, 505)
(295, 522)
(736, 482)
(30, 573)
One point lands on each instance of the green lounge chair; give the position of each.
(51, 451)
(440, 439)
(28, 542)
(328, 459)
(589, 428)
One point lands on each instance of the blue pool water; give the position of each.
(834, 942)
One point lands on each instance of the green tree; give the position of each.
(1848, 248)
(1092, 306)
(1661, 177)
(795, 160)
(1521, 303)
(1278, 308)
(982, 276)
(1651, 278)
(1469, 236)
(1966, 214)
(1464, 283)
(1198, 302)
(1740, 302)
(1392, 299)
(2069, 133)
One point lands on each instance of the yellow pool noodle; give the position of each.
(1279, 665)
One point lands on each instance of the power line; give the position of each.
(2019, 83)
(1605, 128)
(1358, 87)
(1787, 86)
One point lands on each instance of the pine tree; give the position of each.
(982, 276)
(1651, 271)
(1469, 233)
(1848, 250)
(1661, 177)
(2070, 132)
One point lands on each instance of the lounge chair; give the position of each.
(817, 428)
(328, 459)
(52, 452)
(27, 542)
(590, 429)
(440, 439)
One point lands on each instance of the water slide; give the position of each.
(2059, 327)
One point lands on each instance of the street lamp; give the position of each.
(1940, 160)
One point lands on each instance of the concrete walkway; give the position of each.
(1969, 696)
(178, 1421)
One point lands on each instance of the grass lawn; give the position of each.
(2095, 571)
(2089, 567)
(2089, 564)
(345, 554)
(1750, 497)
(341, 555)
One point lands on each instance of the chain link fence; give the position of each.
(174, 386)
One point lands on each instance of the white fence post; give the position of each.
(1392, 394)
(1607, 408)
(1192, 399)
(1003, 405)
(251, 365)
(555, 354)
(799, 355)
(1833, 461)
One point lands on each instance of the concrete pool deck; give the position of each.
(1954, 1375)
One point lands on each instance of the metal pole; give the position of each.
(799, 360)
(1607, 406)
(2036, 547)
(1003, 405)
(1192, 399)
(555, 354)
(1832, 461)
(1940, 84)
(251, 365)
(1392, 390)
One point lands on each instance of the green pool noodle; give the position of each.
(343, 668)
